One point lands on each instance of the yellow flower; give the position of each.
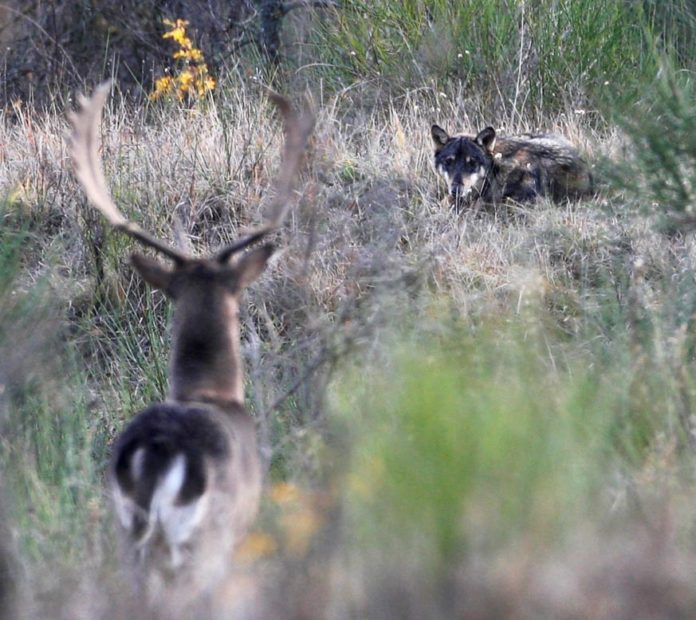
(178, 32)
(193, 78)
(299, 526)
(255, 546)
(284, 493)
(163, 86)
(192, 55)
(185, 78)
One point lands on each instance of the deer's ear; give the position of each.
(251, 265)
(486, 138)
(155, 274)
(440, 137)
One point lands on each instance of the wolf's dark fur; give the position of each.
(489, 168)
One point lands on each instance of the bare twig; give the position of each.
(43, 31)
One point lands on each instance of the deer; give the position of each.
(185, 474)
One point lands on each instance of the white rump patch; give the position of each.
(178, 522)
(125, 506)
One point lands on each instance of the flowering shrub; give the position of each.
(192, 79)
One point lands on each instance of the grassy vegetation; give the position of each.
(487, 415)
(518, 57)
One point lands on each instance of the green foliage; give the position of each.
(45, 427)
(673, 24)
(475, 442)
(522, 57)
(11, 240)
(559, 376)
(658, 170)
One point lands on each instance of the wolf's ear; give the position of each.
(153, 273)
(486, 138)
(440, 137)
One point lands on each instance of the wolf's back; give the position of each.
(563, 174)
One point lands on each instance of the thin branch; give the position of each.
(39, 27)
(324, 357)
(241, 44)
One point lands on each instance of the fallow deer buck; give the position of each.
(185, 473)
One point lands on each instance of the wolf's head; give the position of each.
(465, 162)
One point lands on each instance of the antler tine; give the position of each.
(297, 129)
(88, 170)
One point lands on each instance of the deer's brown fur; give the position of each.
(185, 473)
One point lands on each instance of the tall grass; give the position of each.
(531, 57)
(480, 446)
(486, 415)
(51, 473)
(661, 152)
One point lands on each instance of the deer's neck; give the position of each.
(206, 360)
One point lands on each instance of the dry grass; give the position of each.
(370, 255)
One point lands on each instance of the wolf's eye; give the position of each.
(449, 160)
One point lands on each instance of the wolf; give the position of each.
(487, 168)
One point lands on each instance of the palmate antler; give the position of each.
(88, 169)
(297, 128)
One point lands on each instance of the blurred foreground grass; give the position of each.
(486, 480)
(478, 416)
